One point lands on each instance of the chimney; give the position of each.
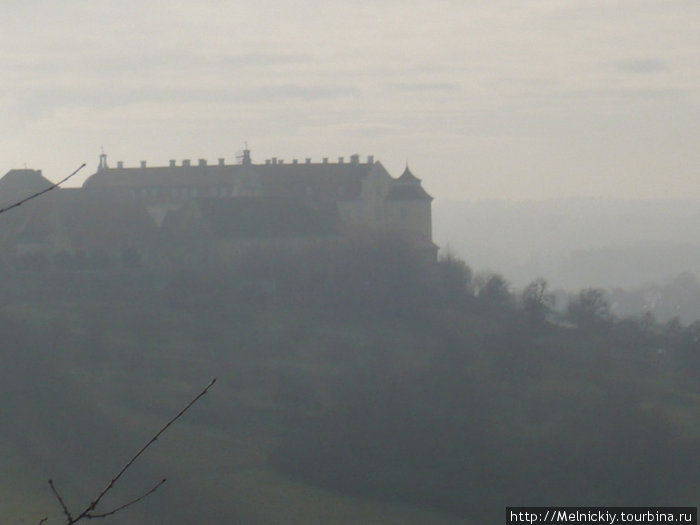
(274, 160)
(325, 160)
(370, 159)
(172, 163)
(186, 163)
(143, 163)
(202, 163)
(308, 160)
(221, 162)
(295, 161)
(354, 159)
(340, 160)
(267, 161)
(120, 164)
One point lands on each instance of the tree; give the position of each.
(494, 292)
(590, 309)
(455, 278)
(537, 301)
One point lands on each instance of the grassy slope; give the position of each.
(216, 457)
(134, 369)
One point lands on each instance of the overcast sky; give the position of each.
(514, 99)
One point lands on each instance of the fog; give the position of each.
(627, 247)
(527, 239)
(441, 258)
(359, 379)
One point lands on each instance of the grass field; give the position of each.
(93, 382)
(216, 456)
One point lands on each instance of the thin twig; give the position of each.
(109, 486)
(60, 500)
(87, 513)
(43, 520)
(105, 514)
(45, 190)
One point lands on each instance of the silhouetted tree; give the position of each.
(537, 301)
(494, 292)
(590, 309)
(454, 278)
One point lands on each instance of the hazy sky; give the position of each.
(515, 99)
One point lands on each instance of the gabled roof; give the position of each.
(325, 181)
(164, 176)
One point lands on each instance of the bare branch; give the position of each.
(63, 504)
(105, 514)
(87, 513)
(109, 486)
(43, 520)
(45, 190)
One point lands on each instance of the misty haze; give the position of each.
(345, 263)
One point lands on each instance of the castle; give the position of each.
(228, 204)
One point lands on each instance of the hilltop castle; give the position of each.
(229, 204)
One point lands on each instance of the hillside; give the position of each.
(363, 387)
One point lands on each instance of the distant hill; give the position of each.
(574, 243)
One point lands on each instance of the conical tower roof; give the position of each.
(407, 188)
(407, 176)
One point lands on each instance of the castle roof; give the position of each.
(408, 177)
(98, 220)
(20, 183)
(163, 176)
(407, 188)
(323, 180)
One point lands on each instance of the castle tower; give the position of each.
(408, 208)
